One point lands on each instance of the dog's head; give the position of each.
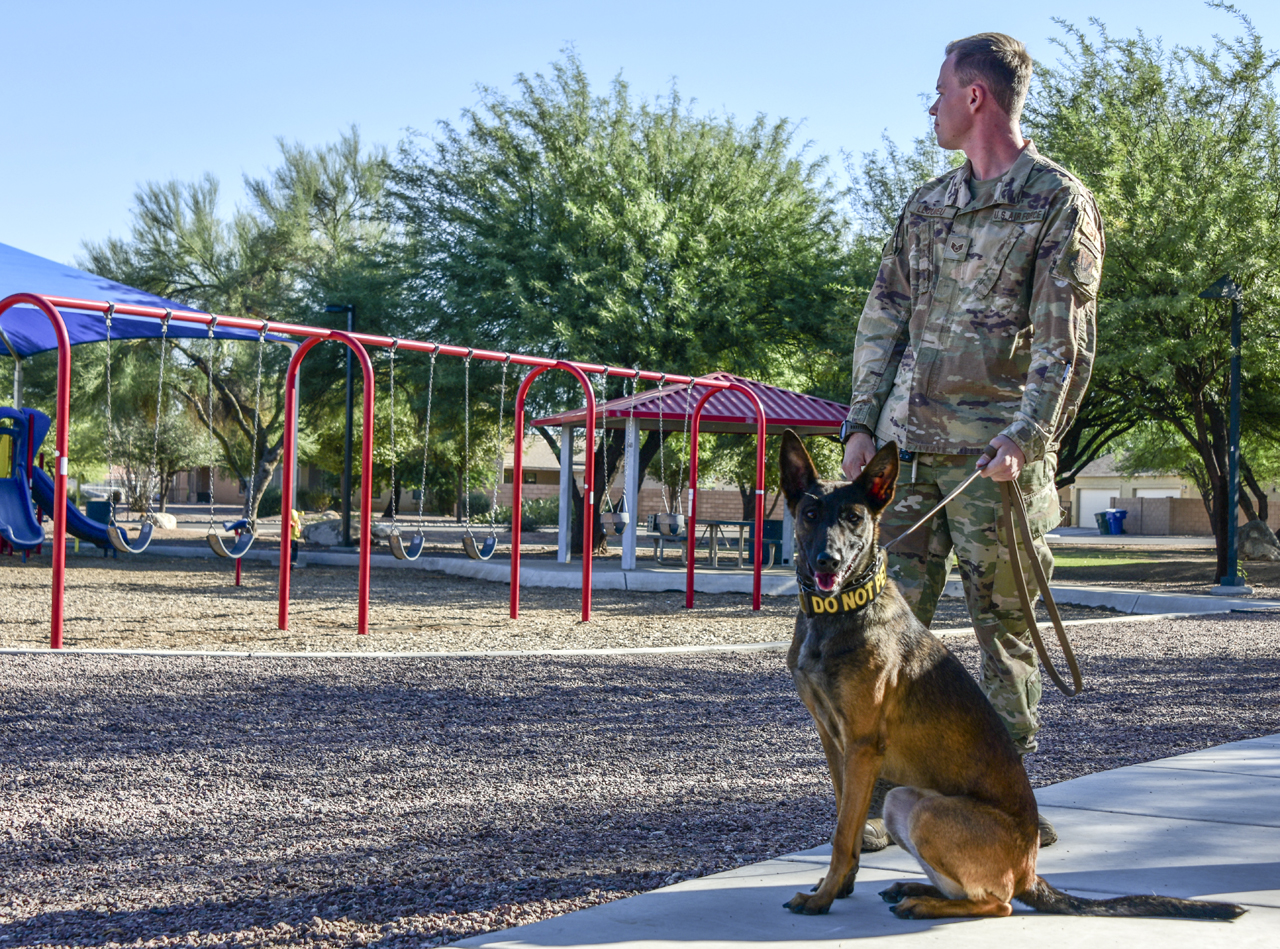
(836, 521)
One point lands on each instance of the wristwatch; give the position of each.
(849, 429)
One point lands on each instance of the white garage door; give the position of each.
(1158, 492)
(1093, 500)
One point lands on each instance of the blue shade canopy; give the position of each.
(27, 331)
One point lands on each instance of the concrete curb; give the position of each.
(773, 646)
(608, 576)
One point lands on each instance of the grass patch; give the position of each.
(1100, 558)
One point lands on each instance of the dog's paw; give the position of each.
(908, 909)
(807, 905)
(894, 894)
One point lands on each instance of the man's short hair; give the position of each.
(999, 62)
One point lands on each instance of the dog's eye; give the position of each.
(811, 514)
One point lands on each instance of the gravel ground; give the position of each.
(174, 603)
(334, 802)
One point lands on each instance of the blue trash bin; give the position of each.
(1115, 520)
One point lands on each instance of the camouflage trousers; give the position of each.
(969, 526)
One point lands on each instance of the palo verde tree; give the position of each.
(1182, 149)
(311, 232)
(596, 228)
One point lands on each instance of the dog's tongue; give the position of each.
(825, 581)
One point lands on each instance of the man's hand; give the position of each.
(1005, 466)
(857, 452)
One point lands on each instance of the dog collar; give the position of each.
(854, 595)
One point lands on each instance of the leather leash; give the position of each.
(1011, 503)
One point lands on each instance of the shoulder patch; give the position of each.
(1018, 217)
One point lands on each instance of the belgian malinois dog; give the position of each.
(889, 699)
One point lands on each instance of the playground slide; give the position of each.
(77, 524)
(18, 523)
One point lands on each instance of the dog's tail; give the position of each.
(1046, 899)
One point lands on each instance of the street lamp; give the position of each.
(1224, 288)
(350, 310)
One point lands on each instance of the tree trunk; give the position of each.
(1247, 471)
(393, 505)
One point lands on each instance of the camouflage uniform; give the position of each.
(981, 323)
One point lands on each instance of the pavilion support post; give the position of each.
(566, 492)
(17, 384)
(788, 535)
(631, 493)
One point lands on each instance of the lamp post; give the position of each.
(1224, 288)
(350, 310)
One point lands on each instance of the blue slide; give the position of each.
(18, 524)
(78, 525)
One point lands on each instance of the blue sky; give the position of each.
(102, 97)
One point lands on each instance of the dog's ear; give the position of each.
(798, 472)
(879, 477)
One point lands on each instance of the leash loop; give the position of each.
(1011, 503)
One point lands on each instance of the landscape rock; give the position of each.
(165, 521)
(325, 533)
(1256, 541)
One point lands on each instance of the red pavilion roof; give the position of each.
(725, 411)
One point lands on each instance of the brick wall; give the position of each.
(713, 504)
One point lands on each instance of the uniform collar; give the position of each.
(1008, 191)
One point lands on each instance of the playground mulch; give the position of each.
(340, 802)
(154, 602)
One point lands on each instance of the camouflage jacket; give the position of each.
(981, 321)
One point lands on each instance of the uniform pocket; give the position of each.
(995, 264)
(910, 503)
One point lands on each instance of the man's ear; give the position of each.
(879, 477)
(798, 472)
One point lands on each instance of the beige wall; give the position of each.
(1166, 516)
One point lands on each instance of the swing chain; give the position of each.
(154, 473)
(688, 414)
(662, 446)
(213, 322)
(394, 493)
(466, 432)
(426, 433)
(604, 443)
(502, 407)
(257, 402)
(111, 309)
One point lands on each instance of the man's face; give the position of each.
(952, 117)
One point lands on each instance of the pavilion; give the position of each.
(668, 408)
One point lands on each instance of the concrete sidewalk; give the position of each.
(1203, 825)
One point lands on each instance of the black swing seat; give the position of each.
(239, 547)
(672, 525)
(481, 552)
(400, 551)
(120, 540)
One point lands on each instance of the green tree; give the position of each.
(571, 225)
(311, 235)
(1182, 149)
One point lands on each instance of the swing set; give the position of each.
(244, 534)
(51, 307)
